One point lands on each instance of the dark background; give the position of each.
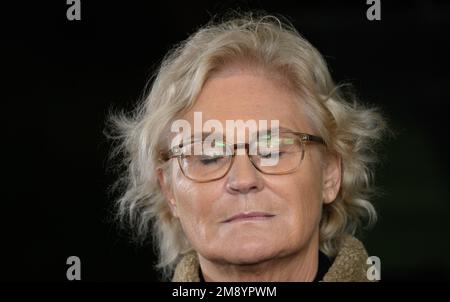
(63, 77)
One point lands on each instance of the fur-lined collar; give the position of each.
(349, 265)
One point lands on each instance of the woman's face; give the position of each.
(292, 202)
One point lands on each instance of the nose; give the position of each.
(243, 177)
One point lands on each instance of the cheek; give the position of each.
(194, 202)
(302, 193)
(184, 190)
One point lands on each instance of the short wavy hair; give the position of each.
(349, 128)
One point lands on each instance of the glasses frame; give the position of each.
(305, 138)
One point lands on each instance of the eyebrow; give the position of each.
(207, 133)
(284, 129)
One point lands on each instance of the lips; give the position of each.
(249, 216)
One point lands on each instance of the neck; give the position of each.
(297, 267)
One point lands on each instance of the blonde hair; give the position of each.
(349, 129)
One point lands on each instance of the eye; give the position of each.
(271, 154)
(209, 160)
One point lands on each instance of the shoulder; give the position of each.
(350, 263)
(187, 270)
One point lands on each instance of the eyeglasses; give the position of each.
(215, 162)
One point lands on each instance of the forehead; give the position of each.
(249, 95)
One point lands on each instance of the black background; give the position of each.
(62, 77)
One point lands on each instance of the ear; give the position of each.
(331, 177)
(166, 190)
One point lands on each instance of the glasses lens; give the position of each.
(203, 162)
(278, 155)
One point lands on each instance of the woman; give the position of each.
(226, 216)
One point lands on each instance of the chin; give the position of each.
(250, 252)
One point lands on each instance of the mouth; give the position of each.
(246, 216)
